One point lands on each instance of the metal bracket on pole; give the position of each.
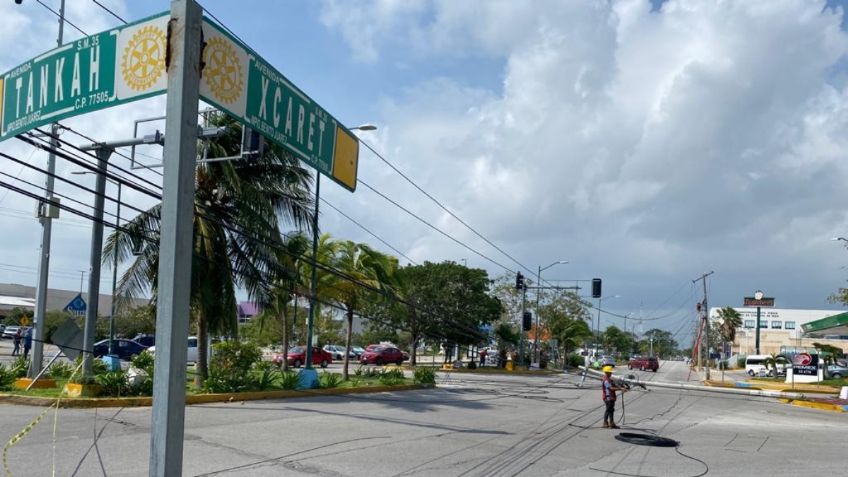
(175, 247)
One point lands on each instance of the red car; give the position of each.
(643, 363)
(297, 356)
(381, 355)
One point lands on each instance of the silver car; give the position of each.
(838, 370)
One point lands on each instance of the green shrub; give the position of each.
(144, 361)
(19, 367)
(113, 383)
(265, 377)
(61, 370)
(574, 360)
(740, 362)
(229, 368)
(392, 377)
(7, 378)
(288, 380)
(425, 375)
(329, 380)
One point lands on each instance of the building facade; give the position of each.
(779, 327)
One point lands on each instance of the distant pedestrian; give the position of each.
(483, 353)
(17, 339)
(27, 343)
(608, 389)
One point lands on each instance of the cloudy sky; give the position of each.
(645, 142)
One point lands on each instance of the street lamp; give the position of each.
(536, 347)
(598, 329)
(758, 295)
(310, 376)
(114, 260)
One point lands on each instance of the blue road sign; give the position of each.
(76, 306)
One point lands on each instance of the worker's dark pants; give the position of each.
(609, 412)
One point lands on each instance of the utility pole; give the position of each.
(521, 323)
(172, 311)
(94, 267)
(46, 229)
(705, 324)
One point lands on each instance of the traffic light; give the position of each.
(527, 321)
(519, 281)
(596, 288)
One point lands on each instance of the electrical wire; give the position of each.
(61, 18)
(428, 224)
(110, 11)
(443, 207)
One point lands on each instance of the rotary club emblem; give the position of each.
(143, 60)
(222, 71)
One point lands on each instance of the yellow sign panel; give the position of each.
(25, 321)
(346, 158)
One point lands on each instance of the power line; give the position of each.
(428, 224)
(443, 207)
(370, 232)
(110, 11)
(61, 18)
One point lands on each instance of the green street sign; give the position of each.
(128, 63)
(239, 81)
(110, 68)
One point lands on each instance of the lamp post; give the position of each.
(314, 281)
(759, 296)
(536, 349)
(598, 329)
(114, 263)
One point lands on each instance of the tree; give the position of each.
(566, 317)
(238, 208)
(616, 340)
(730, 321)
(445, 301)
(288, 281)
(772, 361)
(663, 345)
(360, 268)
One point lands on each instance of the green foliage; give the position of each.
(113, 383)
(7, 378)
(424, 375)
(574, 360)
(265, 377)
(366, 372)
(392, 377)
(507, 334)
(229, 368)
(664, 342)
(329, 380)
(730, 321)
(144, 361)
(740, 362)
(19, 367)
(288, 380)
(61, 370)
(264, 329)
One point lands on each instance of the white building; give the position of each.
(778, 327)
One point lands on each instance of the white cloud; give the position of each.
(649, 145)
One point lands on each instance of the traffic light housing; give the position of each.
(527, 321)
(596, 288)
(519, 281)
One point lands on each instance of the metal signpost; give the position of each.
(166, 52)
(759, 301)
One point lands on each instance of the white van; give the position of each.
(755, 365)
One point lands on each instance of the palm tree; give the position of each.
(360, 267)
(730, 321)
(772, 361)
(238, 208)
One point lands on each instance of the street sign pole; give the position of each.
(175, 249)
(46, 230)
(309, 377)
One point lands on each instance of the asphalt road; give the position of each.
(471, 425)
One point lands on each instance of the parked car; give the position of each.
(382, 355)
(146, 340)
(603, 361)
(338, 351)
(10, 331)
(123, 349)
(2, 328)
(191, 351)
(644, 362)
(755, 365)
(838, 370)
(357, 350)
(297, 357)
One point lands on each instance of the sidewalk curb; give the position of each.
(824, 406)
(142, 401)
